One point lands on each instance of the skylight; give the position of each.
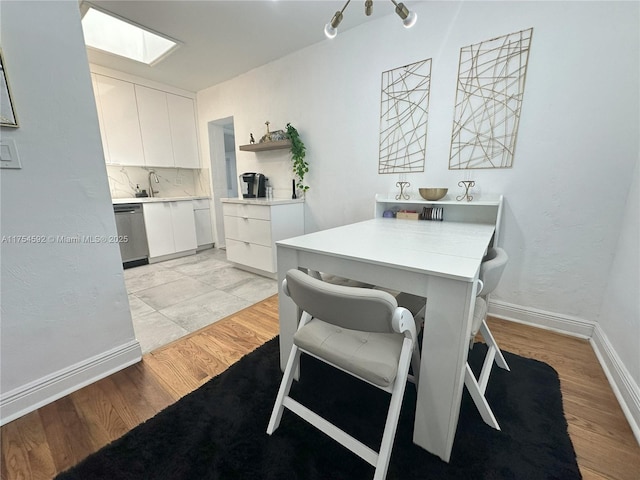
(111, 34)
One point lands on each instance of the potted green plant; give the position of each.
(298, 152)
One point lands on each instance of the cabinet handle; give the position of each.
(247, 243)
(246, 218)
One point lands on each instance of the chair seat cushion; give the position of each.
(371, 356)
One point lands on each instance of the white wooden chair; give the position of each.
(491, 270)
(360, 331)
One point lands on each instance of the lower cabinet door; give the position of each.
(159, 226)
(250, 254)
(184, 226)
(204, 232)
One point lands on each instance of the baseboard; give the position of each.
(624, 387)
(556, 322)
(30, 397)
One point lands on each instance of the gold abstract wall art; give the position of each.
(403, 118)
(491, 79)
(7, 115)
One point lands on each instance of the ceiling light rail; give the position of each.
(408, 17)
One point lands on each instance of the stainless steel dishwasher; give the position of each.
(132, 235)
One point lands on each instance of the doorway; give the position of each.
(224, 176)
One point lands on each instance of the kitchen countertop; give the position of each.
(262, 201)
(119, 201)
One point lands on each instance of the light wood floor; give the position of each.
(57, 436)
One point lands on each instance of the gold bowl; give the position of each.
(433, 194)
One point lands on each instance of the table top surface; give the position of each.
(448, 249)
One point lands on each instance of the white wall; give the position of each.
(65, 312)
(619, 313)
(567, 192)
(618, 318)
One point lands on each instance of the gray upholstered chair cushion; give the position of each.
(372, 356)
(479, 314)
(327, 277)
(348, 307)
(491, 270)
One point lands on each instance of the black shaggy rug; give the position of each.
(218, 431)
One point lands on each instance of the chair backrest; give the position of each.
(348, 307)
(491, 270)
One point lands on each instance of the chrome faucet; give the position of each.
(152, 192)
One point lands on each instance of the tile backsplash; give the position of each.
(174, 182)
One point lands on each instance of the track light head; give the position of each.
(331, 28)
(368, 7)
(408, 18)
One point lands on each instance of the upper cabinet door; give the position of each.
(154, 126)
(105, 148)
(182, 119)
(120, 121)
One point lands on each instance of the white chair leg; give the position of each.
(283, 391)
(491, 342)
(395, 405)
(478, 398)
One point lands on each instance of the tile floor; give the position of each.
(172, 298)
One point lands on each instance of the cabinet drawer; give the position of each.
(261, 212)
(250, 254)
(248, 230)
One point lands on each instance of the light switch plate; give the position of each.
(9, 154)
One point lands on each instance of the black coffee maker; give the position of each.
(255, 185)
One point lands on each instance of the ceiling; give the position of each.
(223, 39)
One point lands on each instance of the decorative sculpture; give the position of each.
(402, 195)
(267, 136)
(466, 184)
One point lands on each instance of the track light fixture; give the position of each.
(408, 17)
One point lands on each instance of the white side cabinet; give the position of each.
(486, 209)
(118, 117)
(171, 229)
(202, 216)
(252, 228)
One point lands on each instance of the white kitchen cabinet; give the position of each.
(202, 216)
(119, 122)
(154, 126)
(253, 226)
(105, 147)
(168, 128)
(171, 228)
(184, 137)
(145, 126)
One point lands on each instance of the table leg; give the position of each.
(443, 358)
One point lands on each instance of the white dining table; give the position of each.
(436, 260)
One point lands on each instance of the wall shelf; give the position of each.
(264, 146)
